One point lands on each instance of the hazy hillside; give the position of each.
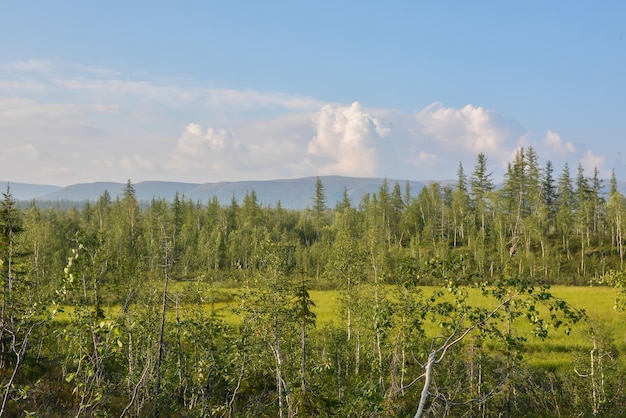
(26, 191)
(292, 193)
(296, 193)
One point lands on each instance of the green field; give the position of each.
(562, 359)
(556, 351)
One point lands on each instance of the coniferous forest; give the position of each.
(432, 301)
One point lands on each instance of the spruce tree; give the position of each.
(481, 185)
(319, 206)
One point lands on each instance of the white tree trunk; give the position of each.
(428, 371)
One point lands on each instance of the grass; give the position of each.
(556, 351)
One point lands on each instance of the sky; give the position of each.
(210, 91)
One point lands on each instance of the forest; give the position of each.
(427, 303)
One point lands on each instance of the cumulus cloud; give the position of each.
(348, 141)
(343, 140)
(109, 127)
(73, 123)
(471, 128)
(216, 145)
(433, 140)
(194, 142)
(354, 141)
(554, 143)
(590, 162)
(206, 151)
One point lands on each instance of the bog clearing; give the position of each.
(603, 322)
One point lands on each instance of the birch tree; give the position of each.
(510, 299)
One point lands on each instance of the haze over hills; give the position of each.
(292, 193)
(27, 191)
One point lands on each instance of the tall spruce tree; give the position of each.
(481, 185)
(616, 214)
(564, 204)
(548, 194)
(583, 213)
(460, 207)
(319, 207)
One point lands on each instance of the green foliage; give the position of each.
(339, 311)
(493, 320)
(616, 279)
(92, 341)
(24, 311)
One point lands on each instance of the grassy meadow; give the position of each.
(598, 302)
(558, 350)
(559, 358)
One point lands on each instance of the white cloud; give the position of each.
(88, 83)
(334, 140)
(66, 142)
(554, 143)
(426, 157)
(83, 123)
(347, 141)
(28, 65)
(471, 128)
(25, 120)
(590, 162)
(106, 127)
(344, 140)
(126, 90)
(195, 143)
(437, 137)
(203, 152)
(18, 86)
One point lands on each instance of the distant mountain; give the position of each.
(92, 191)
(26, 191)
(296, 193)
(292, 193)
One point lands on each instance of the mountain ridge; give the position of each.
(292, 193)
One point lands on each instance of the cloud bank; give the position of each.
(66, 123)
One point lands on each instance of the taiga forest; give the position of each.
(465, 300)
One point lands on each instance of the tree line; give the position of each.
(91, 323)
(564, 229)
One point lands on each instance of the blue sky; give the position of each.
(220, 91)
